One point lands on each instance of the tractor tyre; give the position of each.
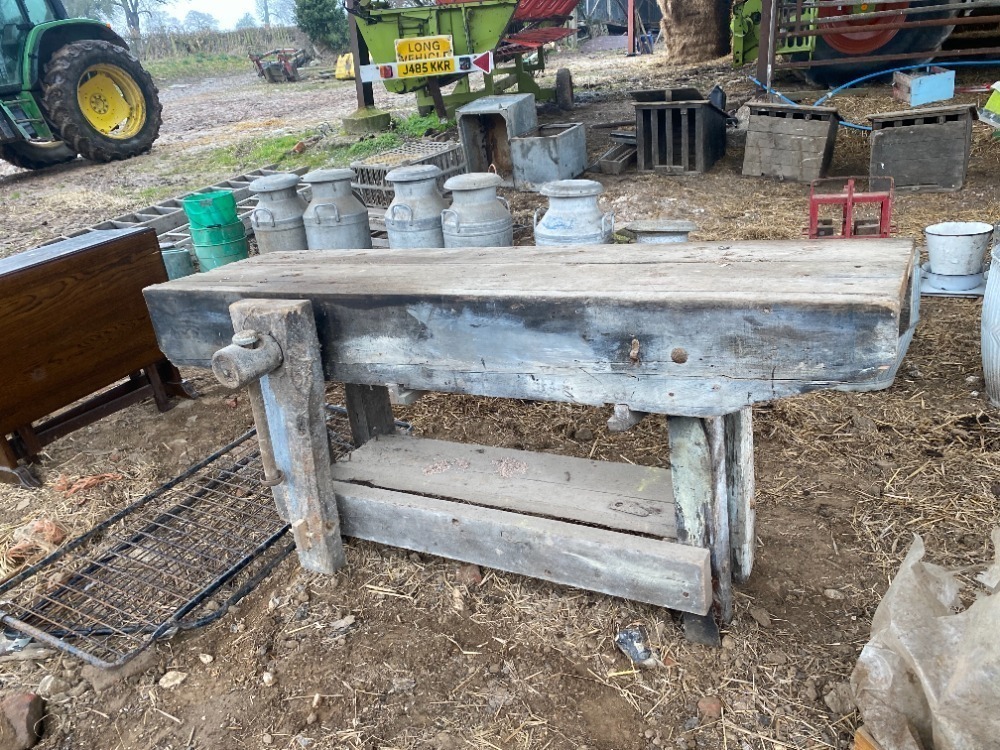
(564, 89)
(29, 155)
(858, 42)
(101, 101)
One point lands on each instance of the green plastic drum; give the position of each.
(214, 209)
(218, 235)
(213, 256)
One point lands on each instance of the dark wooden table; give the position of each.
(73, 323)
(698, 331)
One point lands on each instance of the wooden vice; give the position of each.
(698, 331)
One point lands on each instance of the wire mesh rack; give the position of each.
(211, 533)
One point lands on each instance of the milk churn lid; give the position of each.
(272, 182)
(413, 173)
(473, 181)
(329, 175)
(571, 188)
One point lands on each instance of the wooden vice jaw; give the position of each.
(276, 354)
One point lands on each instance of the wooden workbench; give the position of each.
(697, 331)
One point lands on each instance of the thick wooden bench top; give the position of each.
(695, 329)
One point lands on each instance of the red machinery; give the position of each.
(865, 212)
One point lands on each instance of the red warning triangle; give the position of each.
(484, 62)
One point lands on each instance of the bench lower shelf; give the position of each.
(596, 525)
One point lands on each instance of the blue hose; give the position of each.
(957, 64)
(843, 123)
(862, 79)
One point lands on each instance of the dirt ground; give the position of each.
(439, 659)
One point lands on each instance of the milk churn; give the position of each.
(573, 217)
(478, 217)
(413, 219)
(335, 219)
(277, 219)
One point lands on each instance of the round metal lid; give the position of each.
(571, 188)
(329, 175)
(272, 182)
(413, 173)
(654, 226)
(473, 181)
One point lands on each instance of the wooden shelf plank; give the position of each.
(615, 496)
(661, 573)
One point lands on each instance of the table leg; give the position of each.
(740, 487)
(369, 412)
(296, 420)
(699, 476)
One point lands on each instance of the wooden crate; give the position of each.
(790, 142)
(679, 137)
(923, 149)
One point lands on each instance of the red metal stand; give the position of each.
(876, 191)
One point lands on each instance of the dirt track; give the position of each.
(437, 659)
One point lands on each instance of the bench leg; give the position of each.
(698, 469)
(369, 412)
(740, 486)
(296, 421)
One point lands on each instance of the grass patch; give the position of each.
(197, 65)
(371, 146)
(415, 126)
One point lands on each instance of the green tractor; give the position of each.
(69, 86)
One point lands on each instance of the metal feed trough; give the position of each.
(510, 29)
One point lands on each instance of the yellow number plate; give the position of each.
(426, 68)
(423, 48)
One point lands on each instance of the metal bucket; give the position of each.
(335, 219)
(177, 261)
(957, 248)
(478, 217)
(277, 219)
(413, 219)
(573, 217)
(211, 209)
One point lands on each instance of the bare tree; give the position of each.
(264, 12)
(195, 20)
(283, 12)
(132, 10)
(247, 21)
(100, 10)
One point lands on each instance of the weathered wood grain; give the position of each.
(369, 412)
(722, 564)
(661, 573)
(691, 476)
(74, 320)
(740, 488)
(294, 400)
(930, 156)
(616, 496)
(720, 327)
